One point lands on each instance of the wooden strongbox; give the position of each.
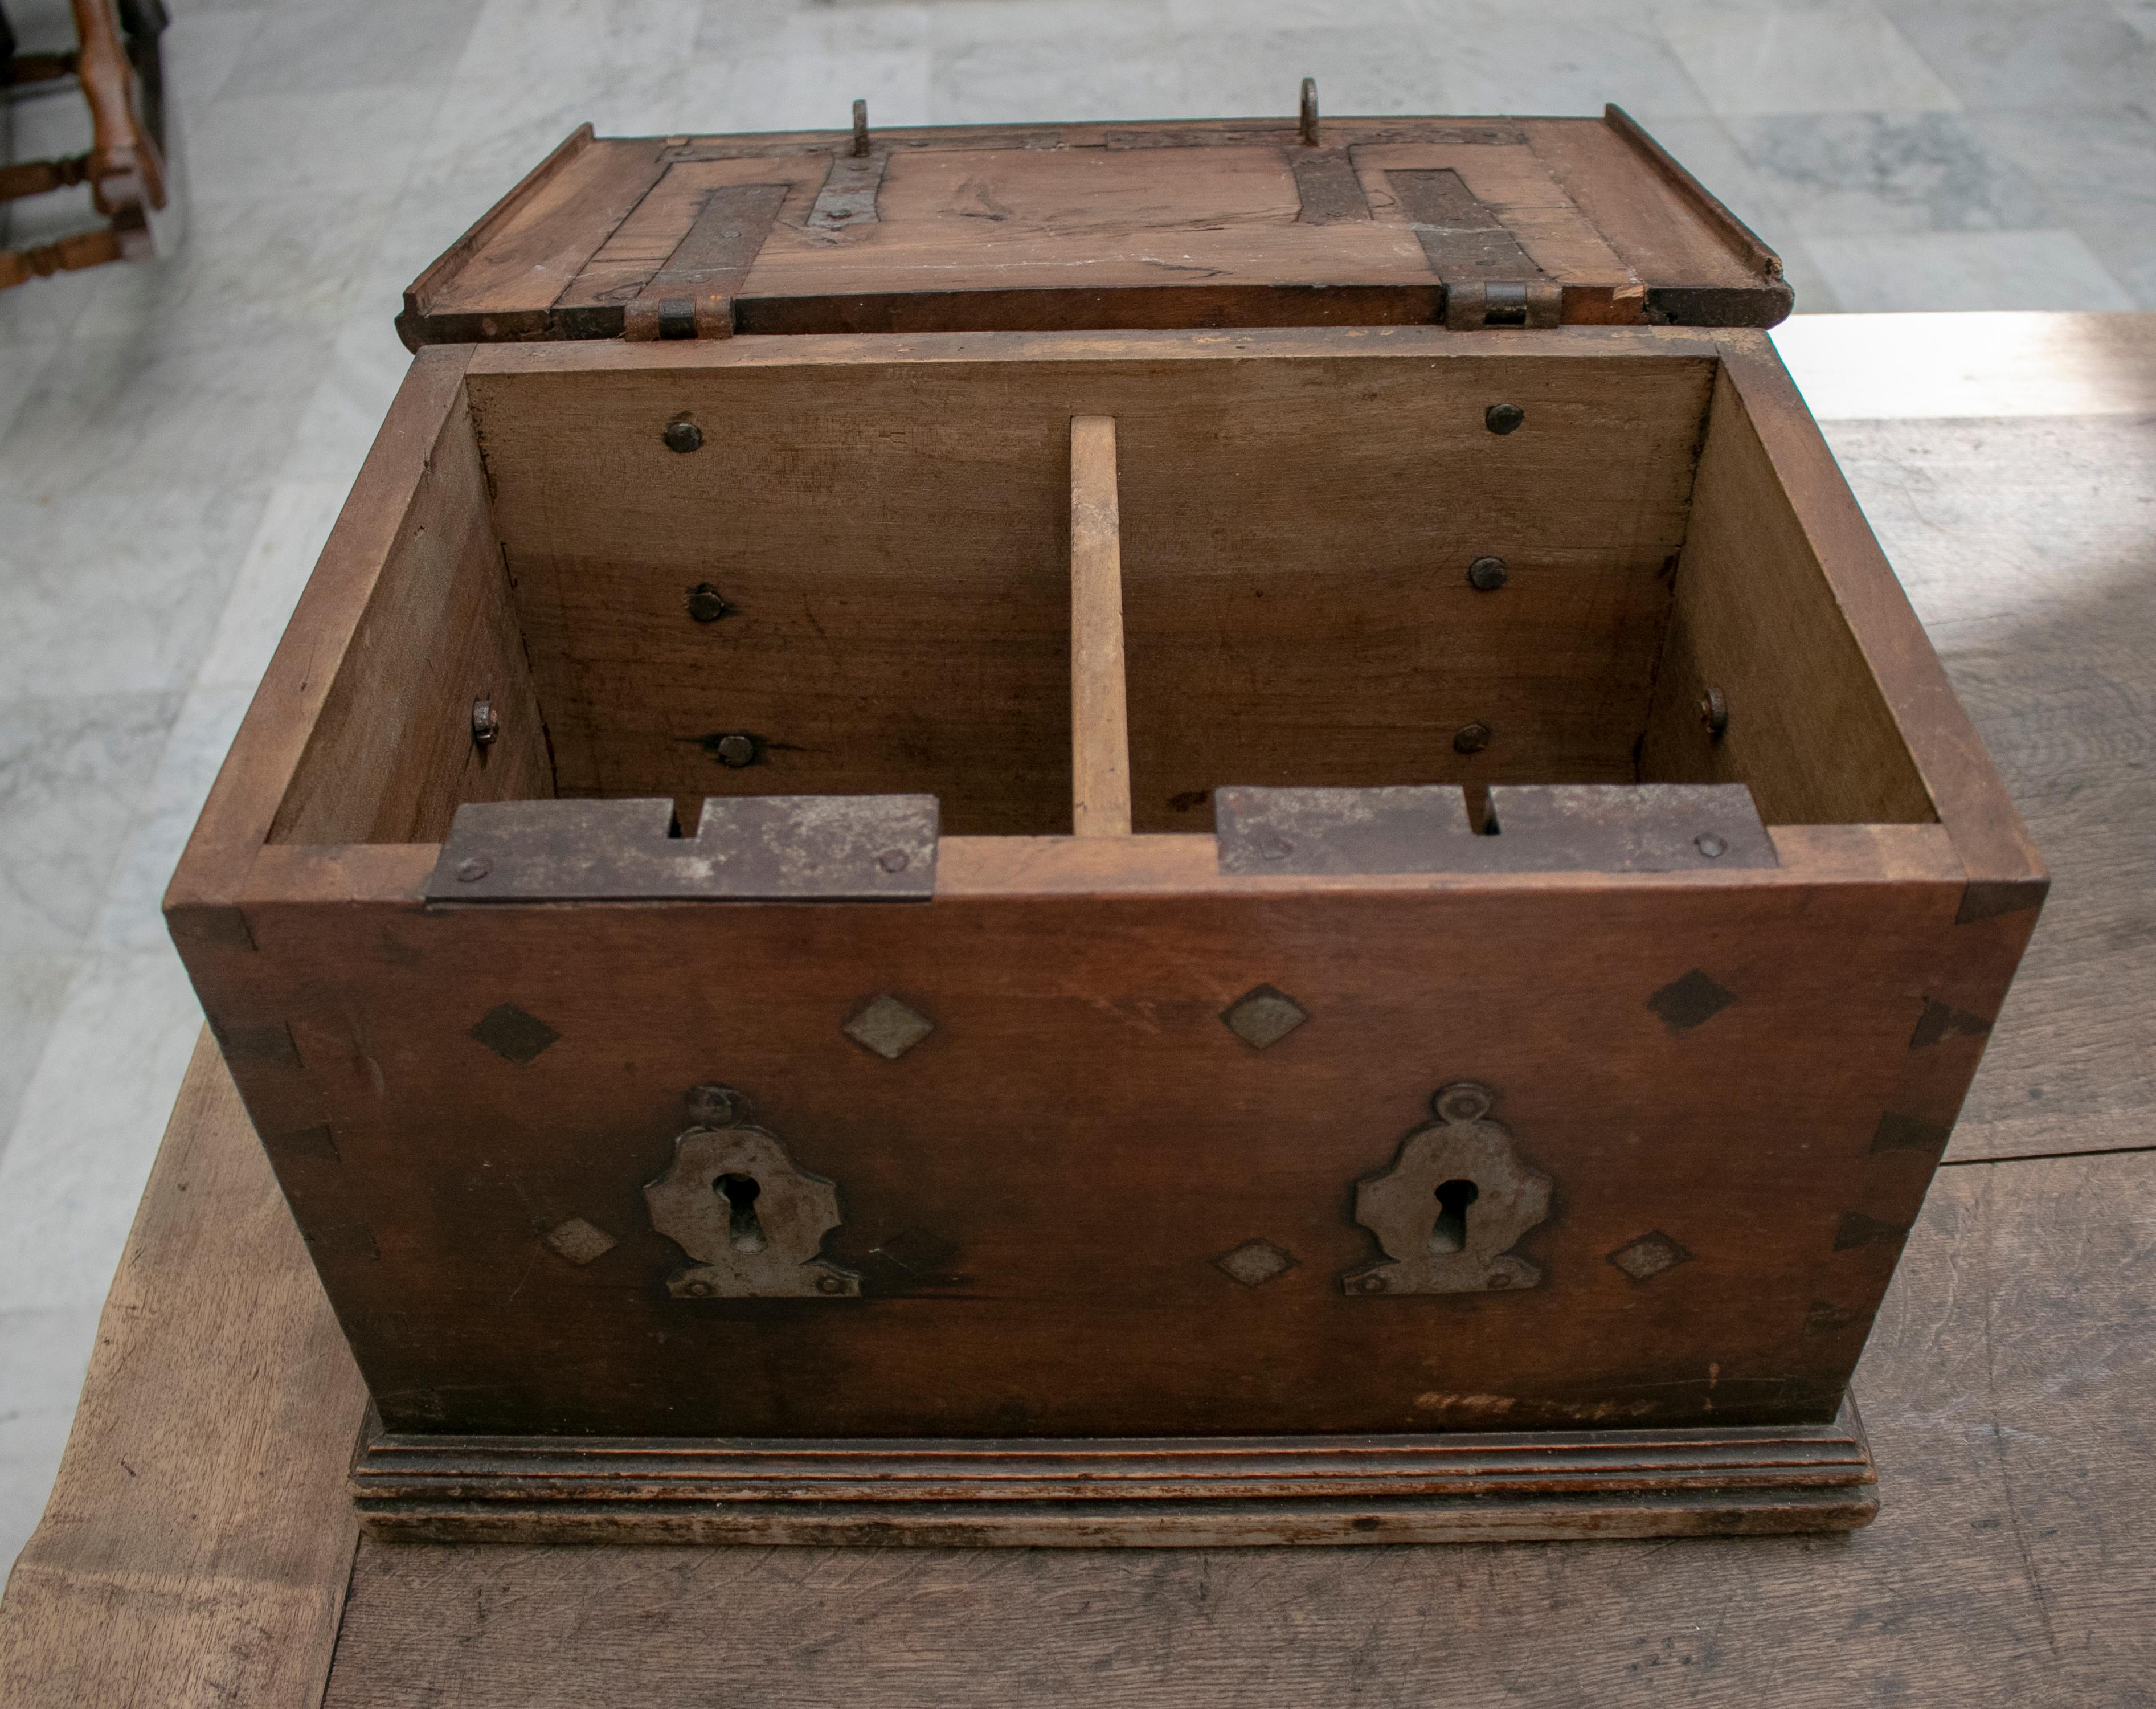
(1175, 833)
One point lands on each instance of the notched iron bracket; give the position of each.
(746, 849)
(1538, 827)
(749, 1217)
(1455, 1200)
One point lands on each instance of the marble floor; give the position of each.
(175, 440)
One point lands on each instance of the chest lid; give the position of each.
(1471, 223)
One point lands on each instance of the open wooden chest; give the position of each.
(1341, 907)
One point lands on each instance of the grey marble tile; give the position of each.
(89, 1125)
(117, 593)
(358, 380)
(42, 311)
(2097, 166)
(1936, 271)
(251, 265)
(1832, 58)
(1844, 174)
(309, 46)
(2139, 16)
(129, 917)
(2061, 53)
(110, 417)
(45, 1355)
(74, 772)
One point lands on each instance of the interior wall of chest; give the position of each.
(889, 543)
(785, 574)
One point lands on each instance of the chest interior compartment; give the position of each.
(831, 566)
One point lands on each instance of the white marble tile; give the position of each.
(540, 41)
(21, 362)
(328, 142)
(496, 129)
(1846, 174)
(2056, 54)
(1494, 63)
(1801, 59)
(202, 48)
(130, 917)
(358, 380)
(1257, 71)
(45, 1355)
(89, 1125)
(2139, 16)
(314, 46)
(74, 772)
(108, 418)
(2097, 168)
(1053, 61)
(42, 311)
(117, 593)
(32, 987)
(251, 265)
(791, 90)
(2039, 269)
(272, 573)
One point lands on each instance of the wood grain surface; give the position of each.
(1099, 722)
(2005, 1391)
(2026, 545)
(195, 1546)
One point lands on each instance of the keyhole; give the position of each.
(744, 1233)
(1449, 1232)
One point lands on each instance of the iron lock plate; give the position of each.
(1537, 828)
(746, 849)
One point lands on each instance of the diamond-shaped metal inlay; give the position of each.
(1690, 1001)
(1261, 1016)
(888, 1027)
(1255, 1262)
(511, 1033)
(1644, 1259)
(578, 1241)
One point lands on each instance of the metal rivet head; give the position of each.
(714, 1106)
(1710, 845)
(1503, 418)
(1487, 573)
(1714, 712)
(683, 436)
(1462, 1100)
(736, 750)
(830, 1285)
(485, 726)
(701, 1290)
(706, 604)
(1275, 848)
(1471, 738)
(473, 870)
(894, 860)
(1374, 1285)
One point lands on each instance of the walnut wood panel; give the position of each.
(195, 1546)
(1100, 723)
(1196, 1493)
(888, 521)
(392, 754)
(2004, 1391)
(1078, 1039)
(1188, 225)
(1755, 618)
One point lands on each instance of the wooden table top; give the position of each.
(199, 1549)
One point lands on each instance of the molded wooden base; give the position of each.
(1165, 1493)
